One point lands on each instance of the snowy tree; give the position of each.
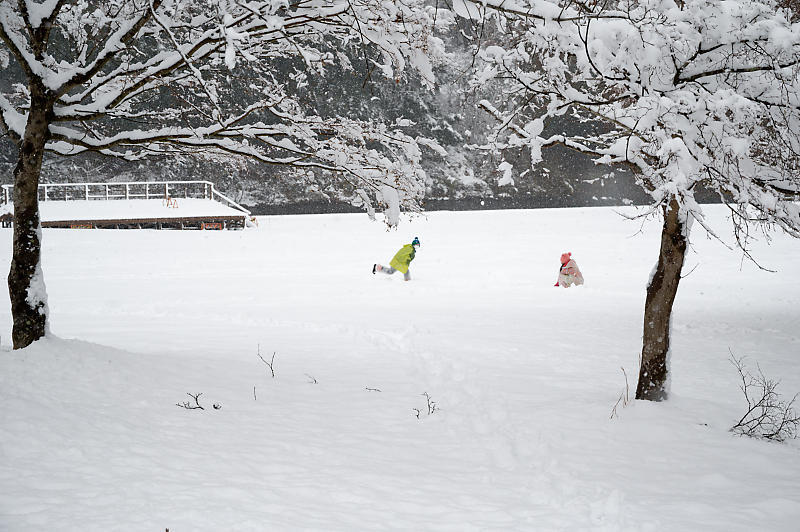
(132, 78)
(687, 93)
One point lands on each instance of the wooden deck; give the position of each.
(153, 205)
(195, 222)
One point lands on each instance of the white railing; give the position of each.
(128, 191)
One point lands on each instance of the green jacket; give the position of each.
(403, 258)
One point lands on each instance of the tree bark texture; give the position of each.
(653, 370)
(25, 286)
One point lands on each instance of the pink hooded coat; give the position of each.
(569, 273)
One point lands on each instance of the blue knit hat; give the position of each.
(415, 242)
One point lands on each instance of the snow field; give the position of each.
(524, 374)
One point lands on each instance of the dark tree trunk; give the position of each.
(25, 285)
(658, 306)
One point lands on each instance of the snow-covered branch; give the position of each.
(695, 92)
(131, 78)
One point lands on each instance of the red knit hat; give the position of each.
(565, 257)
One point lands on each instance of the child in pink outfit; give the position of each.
(569, 273)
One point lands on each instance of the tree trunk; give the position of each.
(661, 292)
(25, 281)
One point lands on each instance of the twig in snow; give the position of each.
(270, 363)
(311, 380)
(432, 405)
(372, 389)
(254, 394)
(624, 397)
(188, 405)
(767, 416)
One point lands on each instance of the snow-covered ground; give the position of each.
(523, 375)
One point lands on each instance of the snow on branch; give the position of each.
(691, 94)
(130, 78)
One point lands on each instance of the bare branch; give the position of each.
(767, 415)
(269, 364)
(189, 405)
(624, 397)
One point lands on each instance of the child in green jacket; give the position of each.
(402, 259)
